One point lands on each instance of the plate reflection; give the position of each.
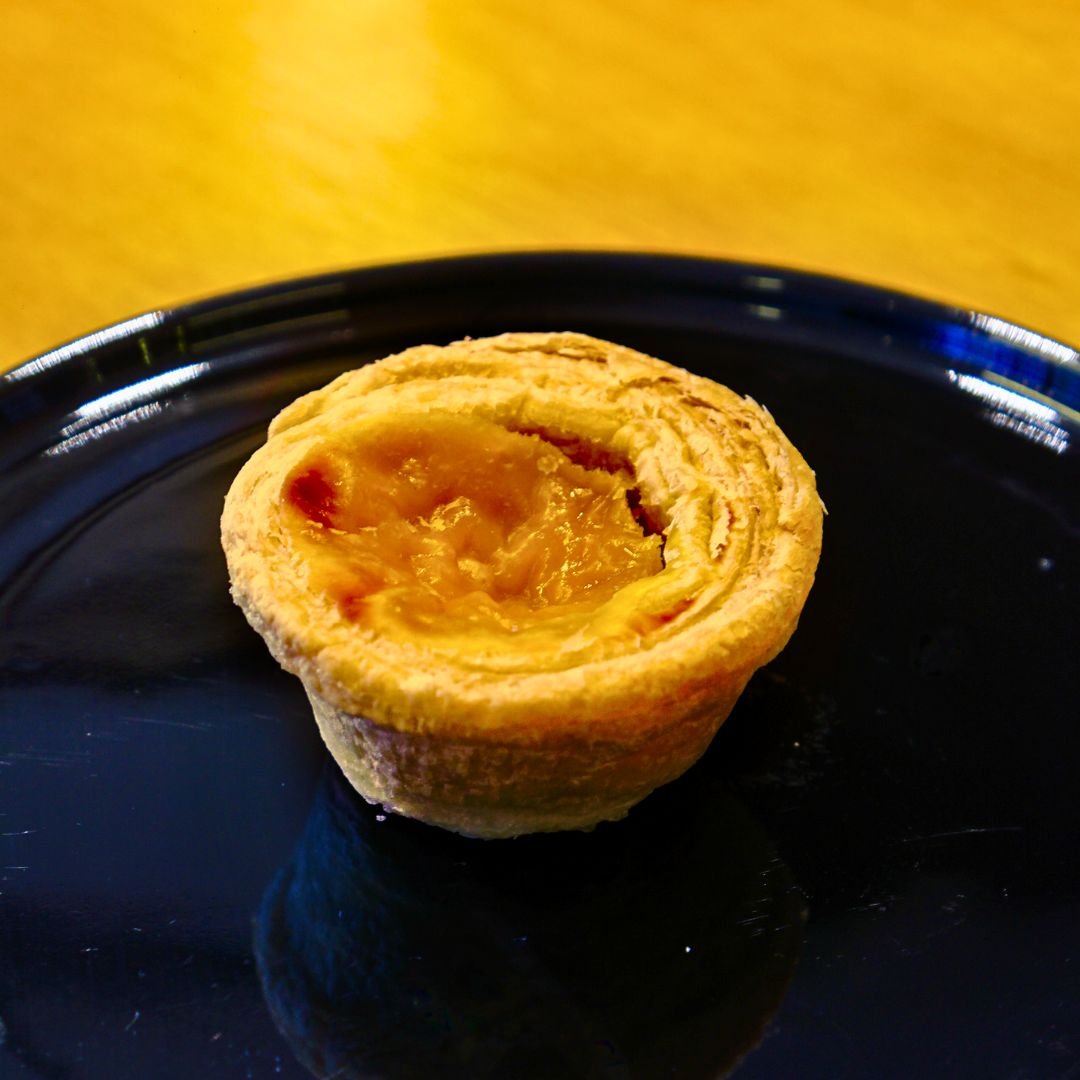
(660, 945)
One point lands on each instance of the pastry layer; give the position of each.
(538, 547)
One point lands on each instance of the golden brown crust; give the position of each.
(500, 790)
(635, 684)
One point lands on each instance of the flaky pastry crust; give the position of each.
(493, 741)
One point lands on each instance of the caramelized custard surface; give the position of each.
(449, 526)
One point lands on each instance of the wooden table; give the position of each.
(158, 153)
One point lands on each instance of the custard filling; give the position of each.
(443, 524)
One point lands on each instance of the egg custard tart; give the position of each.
(523, 579)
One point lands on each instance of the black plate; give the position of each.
(873, 873)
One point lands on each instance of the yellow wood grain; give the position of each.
(157, 153)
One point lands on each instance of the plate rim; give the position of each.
(820, 310)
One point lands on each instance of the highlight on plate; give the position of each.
(523, 579)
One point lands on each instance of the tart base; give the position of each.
(492, 790)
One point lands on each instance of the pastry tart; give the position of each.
(522, 579)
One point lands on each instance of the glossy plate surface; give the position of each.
(873, 873)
